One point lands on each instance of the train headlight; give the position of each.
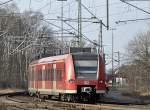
(86, 89)
(71, 81)
(101, 81)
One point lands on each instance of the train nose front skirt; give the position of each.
(85, 93)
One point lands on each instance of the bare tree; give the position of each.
(139, 47)
(23, 38)
(138, 71)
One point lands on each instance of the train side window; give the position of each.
(39, 75)
(59, 74)
(32, 74)
(52, 74)
(47, 75)
(43, 75)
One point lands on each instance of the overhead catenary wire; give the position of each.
(58, 11)
(3, 33)
(16, 49)
(83, 35)
(130, 20)
(86, 38)
(57, 26)
(19, 50)
(47, 4)
(30, 1)
(6, 2)
(27, 33)
(94, 16)
(135, 7)
(75, 35)
(114, 3)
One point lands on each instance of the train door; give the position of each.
(38, 77)
(43, 77)
(31, 77)
(54, 79)
(60, 84)
(48, 77)
(34, 76)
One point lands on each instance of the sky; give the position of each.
(119, 11)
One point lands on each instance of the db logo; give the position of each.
(86, 82)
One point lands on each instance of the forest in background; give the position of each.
(24, 37)
(136, 70)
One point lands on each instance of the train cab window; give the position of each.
(85, 66)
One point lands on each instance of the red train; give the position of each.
(71, 77)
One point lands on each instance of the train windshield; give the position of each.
(85, 66)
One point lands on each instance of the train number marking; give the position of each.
(86, 82)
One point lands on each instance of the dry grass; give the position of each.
(3, 106)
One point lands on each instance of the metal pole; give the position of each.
(118, 59)
(112, 57)
(113, 80)
(107, 8)
(62, 20)
(118, 54)
(62, 26)
(79, 23)
(100, 40)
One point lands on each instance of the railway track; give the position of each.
(22, 102)
(13, 93)
(57, 105)
(100, 106)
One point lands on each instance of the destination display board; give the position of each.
(79, 49)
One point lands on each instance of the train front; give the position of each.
(89, 76)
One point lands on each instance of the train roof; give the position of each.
(49, 59)
(58, 57)
(84, 53)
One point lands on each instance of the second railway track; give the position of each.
(30, 103)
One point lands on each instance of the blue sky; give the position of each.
(118, 11)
